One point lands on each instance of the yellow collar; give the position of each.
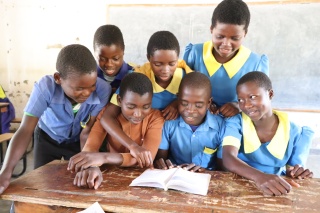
(173, 87)
(277, 146)
(2, 94)
(232, 66)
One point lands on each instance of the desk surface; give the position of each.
(51, 185)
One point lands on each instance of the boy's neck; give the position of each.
(223, 60)
(267, 128)
(163, 84)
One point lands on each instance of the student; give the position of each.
(265, 143)
(137, 119)
(165, 71)
(223, 59)
(196, 135)
(61, 110)
(108, 48)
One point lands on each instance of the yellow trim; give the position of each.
(232, 66)
(277, 146)
(114, 99)
(209, 151)
(279, 143)
(209, 60)
(2, 94)
(231, 141)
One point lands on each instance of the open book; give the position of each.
(175, 178)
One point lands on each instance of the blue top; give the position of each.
(289, 146)
(200, 147)
(224, 77)
(49, 103)
(124, 69)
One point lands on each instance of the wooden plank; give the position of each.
(5, 137)
(52, 185)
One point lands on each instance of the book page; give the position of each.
(192, 182)
(154, 178)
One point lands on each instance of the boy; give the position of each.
(165, 72)
(196, 135)
(138, 121)
(109, 48)
(58, 107)
(264, 143)
(223, 59)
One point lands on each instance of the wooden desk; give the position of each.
(50, 189)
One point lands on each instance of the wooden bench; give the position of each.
(6, 137)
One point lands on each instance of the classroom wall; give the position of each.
(33, 32)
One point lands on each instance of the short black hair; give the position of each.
(107, 35)
(75, 59)
(231, 12)
(260, 78)
(196, 80)
(137, 83)
(162, 40)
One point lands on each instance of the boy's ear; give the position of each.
(211, 28)
(119, 100)
(57, 78)
(271, 94)
(209, 102)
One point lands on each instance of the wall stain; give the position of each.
(25, 81)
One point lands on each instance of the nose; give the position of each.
(86, 92)
(166, 69)
(226, 41)
(109, 62)
(247, 104)
(137, 113)
(190, 108)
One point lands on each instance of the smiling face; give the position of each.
(226, 39)
(135, 107)
(163, 64)
(255, 101)
(110, 58)
(77, 88)
(193, 104)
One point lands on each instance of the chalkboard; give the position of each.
(286, 33)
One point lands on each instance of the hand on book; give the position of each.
(88, 178)
(167, 164)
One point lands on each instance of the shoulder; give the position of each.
(47, 85)
(102, 87)
(194, 47)
(154, 119)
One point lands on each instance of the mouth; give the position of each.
(109, 71)
(136, 120)
(225, 50)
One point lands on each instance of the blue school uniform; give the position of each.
(56, 117)
(200, 147)
(125, 68)
(289, 146)
(224, 77)
(161, 97)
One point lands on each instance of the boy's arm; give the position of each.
(171, 111)
(86, 131)
(16, 149)
(112, 126)
(151, 140)
(270, 184)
